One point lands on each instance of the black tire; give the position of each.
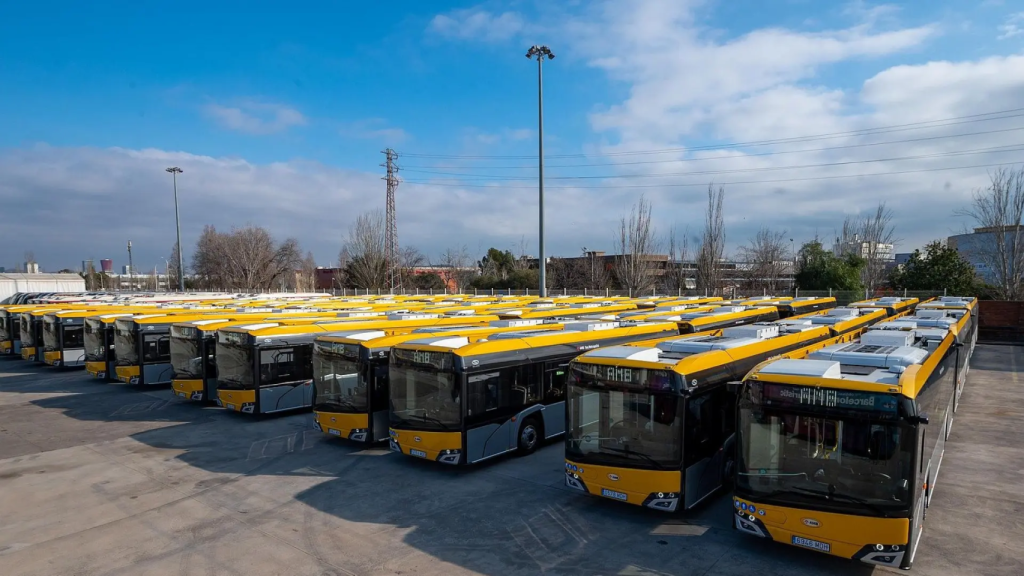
(531, 434)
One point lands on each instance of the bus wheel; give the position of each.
(530, 435)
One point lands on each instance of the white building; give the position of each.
(864, 249)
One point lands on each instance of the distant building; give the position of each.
(863, 249)
(31, 268)
(3, 269)
(107, 265)
(903, 258)
(126, 270)
(974, 246)
(87, 266)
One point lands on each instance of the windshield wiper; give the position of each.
(629, 452)
(832, 494)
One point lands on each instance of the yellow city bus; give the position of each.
(142, 345)
(193, 346)
(722, 317)
(891, 304)
(839, 448)
(64, 336)
(565, 311)
(350, 373)
(263, 369)
(10, 328)
(462, 403)
(653, 425)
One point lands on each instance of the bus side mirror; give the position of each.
(734, 387)
(920, 419)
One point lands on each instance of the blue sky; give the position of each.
(278, 117)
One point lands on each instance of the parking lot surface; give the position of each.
(99, 478)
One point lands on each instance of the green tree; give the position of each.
(938, 268)
(497, 263)
(427, 281)
(820, 269)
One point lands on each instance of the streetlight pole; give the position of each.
(174, 170)
(541, 52)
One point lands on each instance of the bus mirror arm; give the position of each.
(921, 418)
(734, 387)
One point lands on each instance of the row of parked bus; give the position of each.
(827, 423)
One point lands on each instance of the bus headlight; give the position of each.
(573, 481)
(358, 435)
(882, 554)
(664, 501)
(449, 456)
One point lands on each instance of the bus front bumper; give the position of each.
(96, 369)
(355, 427)
(28, 353)
(443, 447)
(6, 347)
(877, 541)
(189, 389)
(655, 489)
(52, 358)
(243, 401)
(128, 374)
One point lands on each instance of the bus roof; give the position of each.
(897, 355)
(571, 333)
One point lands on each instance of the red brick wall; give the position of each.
(1001, 321)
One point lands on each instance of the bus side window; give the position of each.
(531, 381)
(555, 375)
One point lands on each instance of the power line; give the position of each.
(754, 155)
(704, 184)
(937, 123)
(993, 150)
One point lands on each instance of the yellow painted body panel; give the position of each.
(430, 442)
(846, 533)
(341, 425)
(6, 346)
(637, 485)
(234, 399)
(28, 353)
(185, 388)
(126, 373)
(96, 368)
(52, 358)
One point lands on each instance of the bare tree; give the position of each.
(522, 259)
(367, 266)
(172, 269)
(459, 269)
(999, 210)
(879, 235)
(254, 263)
(409, 258)
(340, 277)
(567, 273)
(208, 260)
(766, 258)
(712, 243)
(637, 242)
(678, 272)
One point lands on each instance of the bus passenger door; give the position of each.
(702, 453)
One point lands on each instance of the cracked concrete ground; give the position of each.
(100, 478)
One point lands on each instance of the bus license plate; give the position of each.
(419, 453)
(613, 494)
(334, 432)
(812, 544)
(230, 406)
(183, 395)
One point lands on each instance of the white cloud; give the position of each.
(111, 195)
(1013, 26)
(253, 117)
(477, 24)
(687, 86)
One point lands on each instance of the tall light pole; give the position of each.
(541, 52)
(174, 170)
(131, 267)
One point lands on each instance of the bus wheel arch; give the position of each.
(531, 433)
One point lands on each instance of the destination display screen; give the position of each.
(339, 348)
(184, 331)
(783, 396)
(623, 377)
(439, 360)
(226, 337)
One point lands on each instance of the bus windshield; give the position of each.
(125, 350)
(339, 384)
(834, 459)
(234, 366)
(51, 342)
(185, 359)
(424, 397)
(73, 337)
(613, 424)
(27, 338)
(95, 345)
(4, 336)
